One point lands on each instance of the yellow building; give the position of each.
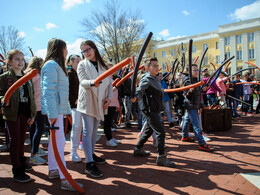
(240, 39)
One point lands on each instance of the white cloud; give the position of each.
(164, 33)
(74, 48)
(185, 12)
(177, 37)
(38, 29)
(246, 12)
(67, 4)
(41, 53)
(21, 34)
(50, 25)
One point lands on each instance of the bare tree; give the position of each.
(10, 39)
(115, 30)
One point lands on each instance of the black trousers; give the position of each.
(108, 122)
(154, 124)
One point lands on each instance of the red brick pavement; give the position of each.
(237, 151)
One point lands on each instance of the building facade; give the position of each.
(240, 39)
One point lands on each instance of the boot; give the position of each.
(163, 161)
(20, 175)
(24, 164)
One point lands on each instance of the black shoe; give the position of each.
(98, 160)
(20, 175)
(128, 125)
(141, 152)
(92, 170)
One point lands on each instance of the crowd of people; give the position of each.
(65, 86)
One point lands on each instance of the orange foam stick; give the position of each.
(111, 71)
(170, 69)
(184, 88)
(213, 65)
(253, 65)
(167, 66)
(227, 66)
(247, 83)
(115, 82)
(160, 69)
(127, 76)
(196, 60)
(18, 84)
(61, 165)
(133, 62)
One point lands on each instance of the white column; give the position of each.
(245, 49)
(221, 48)
(233, 53)
(257, 51)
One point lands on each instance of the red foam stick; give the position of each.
(127, 76)
(120, 116)
(18, 84)
(196, 60)
(2, 57)
(115, 82)
(160, 69)
(253, 65)
(227, 66)
(111, 71)
(184, 88)
(60, 163)
(1, 61)
(167, 67)
(213, 65)
(170, 69)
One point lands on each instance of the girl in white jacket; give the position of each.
(92, 102)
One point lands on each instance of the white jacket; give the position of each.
(90, 98)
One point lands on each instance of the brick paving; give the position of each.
(237, 151)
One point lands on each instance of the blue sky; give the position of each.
(39, 21)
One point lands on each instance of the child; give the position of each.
(73, 62)
(192, 102)
(237, 93)
(18, 113)
(37, 127)
(92, 102)
(55, 102)
(220, 83)
(149, 94)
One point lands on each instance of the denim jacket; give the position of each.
(55, 90)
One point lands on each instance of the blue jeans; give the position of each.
(192, 116)
(234, 108)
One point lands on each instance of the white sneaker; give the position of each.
(80, 146)
(206, 139)
(113, 129)
(41, 152)
(37, 160)
(111, 143)
(116, 141)
(75, 157)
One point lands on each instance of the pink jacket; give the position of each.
(114, 102)
(220, 83)
(37, 91)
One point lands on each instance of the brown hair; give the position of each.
(71, 59)
(36, 63)
(97, 54)
(148, 62)
(55, 52)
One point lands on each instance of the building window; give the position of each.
(251, 37)
(155, 54)
(227, 55)
(163, 54)
(239, 55)
(205, 45)
(228, 71)
(194, 49)
(217, 45)
(251, 54)
(238, 39)
(227, 40)
(173, 52)
(163, 66)
(217, 59)
(206, 61)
